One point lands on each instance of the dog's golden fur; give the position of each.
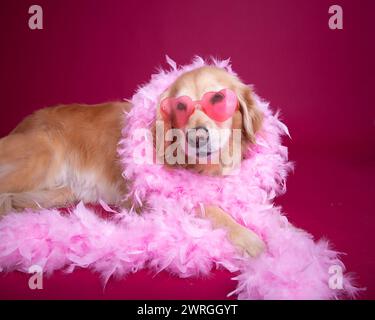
(64, 154)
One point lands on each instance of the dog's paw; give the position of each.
(247, 241)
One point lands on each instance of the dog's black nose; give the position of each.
(198, 137)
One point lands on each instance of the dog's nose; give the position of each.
(198, 137)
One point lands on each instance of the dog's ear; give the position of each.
(252, 118)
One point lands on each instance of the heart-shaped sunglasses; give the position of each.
(219, 106)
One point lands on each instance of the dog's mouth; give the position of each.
(218, 139)
(208, 151)
(204, 153)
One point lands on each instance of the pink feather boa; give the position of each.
(168, 235)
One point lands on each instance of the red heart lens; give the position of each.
(178, 110)
(220, 105)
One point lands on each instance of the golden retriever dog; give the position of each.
(60, 155)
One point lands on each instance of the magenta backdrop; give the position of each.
(322, 80)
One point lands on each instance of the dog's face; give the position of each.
(214, 117)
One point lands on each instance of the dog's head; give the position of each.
(205, 120)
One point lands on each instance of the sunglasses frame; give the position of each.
(185, 106)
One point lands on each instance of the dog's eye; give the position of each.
(181, 106)
(217, 97)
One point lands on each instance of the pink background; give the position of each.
(322, 80)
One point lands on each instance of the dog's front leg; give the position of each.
(244, 239)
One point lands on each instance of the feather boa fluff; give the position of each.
(168, 235)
